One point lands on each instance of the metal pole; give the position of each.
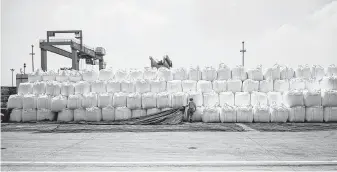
(12, 76)
(243, 53)
(32, 57)
(24, 68)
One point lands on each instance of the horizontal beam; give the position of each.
(65, 31)
(56, 50)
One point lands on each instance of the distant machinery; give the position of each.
(78, 50)
(166, 62)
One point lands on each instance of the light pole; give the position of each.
(24, 68)
(12, 76)
(243, 53)
(32, 53)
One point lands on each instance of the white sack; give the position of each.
(67, 89)
(281, 85)
(150, 73)
(211, 115)
(174, 86)
(165, 74)
(234, 85)
(266, 86)
(275, 98)
(219, 85)
(312, 98)
(58, 103)
(179, 99)
(312, 85)
(119, 99)
(194, 73)
(329, 98)
(35, 76)
(287, 73)
(75, 76)
(261, 114)
(273, 73)
(66, 115)
(29, 115)
(89, 75)
(330, 114)
(134, 101)
(135, 113)
(29, 101)
(189, 85)
(43, 102)
(158, 86)
(121, 74)
(259, 98)
(89, 100)
(197, 115)
(98, 86)
(239, 73)
(329, 83)
(180, 74)
(82, 87)
(278, 113)
(297, 114)
(104, 100)
(39, 88)
(16, 115)
(314, 114)
(204, 86)
(15, 101)
(211, 99)
(209, 74)
(49, 76)
(317, 72)
(113, 86)
(127, 86)
(108, 113)
(303, 72)
(152, 111)
(228, 114)
(149, 100)
(106, 74)
(297, 84)
(226, 98)
(45, 114)
(331, 70)
(79, 114)
(250, 85)
(293, 98)
(244, 114)
(93, 114)
(163, 100)
(122, 113)
(142, 86)
(242, 99)
(25, 88)
(74, 101)
(197, 98)
(135, 74)
(62, 76)
(224, 72)
(255, 73)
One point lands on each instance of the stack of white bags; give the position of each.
(276, 94)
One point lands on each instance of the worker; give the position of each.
(191, 109)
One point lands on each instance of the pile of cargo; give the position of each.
(276, 94)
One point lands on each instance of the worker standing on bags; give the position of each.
(191, 109)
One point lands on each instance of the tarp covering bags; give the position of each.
(150, 73)
(180, 74)
(152, 111)
(29, 115)
(312, 98)
(165, 74)
(135, 74)
(75, 76)
(93, 114)
(74, 101)
(79, 114)
(234, 85)
(25, 88)
(163, 100)
(45, 114)
(89, 100)
(16, 115)
(138, 113)
(122, 113)
(211, 115)
(297, 84)
(314, 114)
(266, 86)
(67, 89)
(209, 74)
(278, 113)
(149, 100)
(204, 86)
(258, 98)
(297, 114)
(287, 72)
(250, 85)
(66, 115)
(239, 73)
(98, 86)
(43, 102)
(113, 86)
(108, 113)
(329, 83)
(312, 85)
(49, 75)
(244, 114)
(211, 99)
(119, 99)
(194, 73)
(293, 98)
(261, 114)
(242, 99)
(106, 74)
(58, 103)
(142, 86)
(134, 101)
(179, 99)
(226, 98)
(15, 101)
(157, 86)
(331, 70)
(275, 98)
(121, 74)
(82, 87)
(189, 85)
(303, 72)
(329, 98)
(104, 100)
(281, 85)
(29, 101)
(197, 98)
(62, 76)
(224, 72)
(273, 73)
(39, 88)
(255, 73)
(89, 75)
(317, 72)
(219, 85)
(330, 114)
(127, 86)
(174, 86)
(197, 115)
(227, 114)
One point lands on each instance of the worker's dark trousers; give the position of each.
(189, 115)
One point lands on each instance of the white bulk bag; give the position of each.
(152, 111)
(261, 114)
(244, 114)
(180, 74)
(93, 114)
(239, 73)
(121, 74)
(79, 114)
(179, 99)
(16, 115)
(211, 99)
(158, 86)
(234, 85)
(194, 73)
(82, 87)
(259, 98)
(66, 115)
(226, 98)
(293, 98)
(108, 113)
(35, 76)
(89, 100)
(317, 72)
(313, 85)
(242, 99)
(273, 73)
(39, 88)
(297, 114)
(136, 113)
(211, 115)
(303, 72)
(204, 86)
(281, 85)
(135, 74)
(189, 85)
(150, 73)
(329, 98)
(104, 100)
(266, 86)
(330, 114)
(98, 86)
(45, 114)
(163, 100)
(209, 74)
(287, 72)
(127, 86)
(224, 72)
(312, 98)
(122, 113)
(275, 98)
(29, 115)
(255, 73)
(113, 86)
(50, 87)
(15, 101)
(75, 76)
(29, 101)
(142, 86)
(329, 83)
(278, 113)
(314, 114)
(67, 89)
(331, 70)
(25, 88)
(106, 74)
(228, 114)
(134, 101)
(74, 101)
(89, 75)
(174, 86)
(250, 85)
(197, 115)
(219, 85)
(49, 75)
(297, 84)
(197, 98)
(165, 74)
(58, 103)
(62, 76)
(149, 100)
(43, 102)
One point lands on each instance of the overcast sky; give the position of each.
(191, 32)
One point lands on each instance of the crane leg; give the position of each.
(74, 58)
(100, 64)
(43, 59)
